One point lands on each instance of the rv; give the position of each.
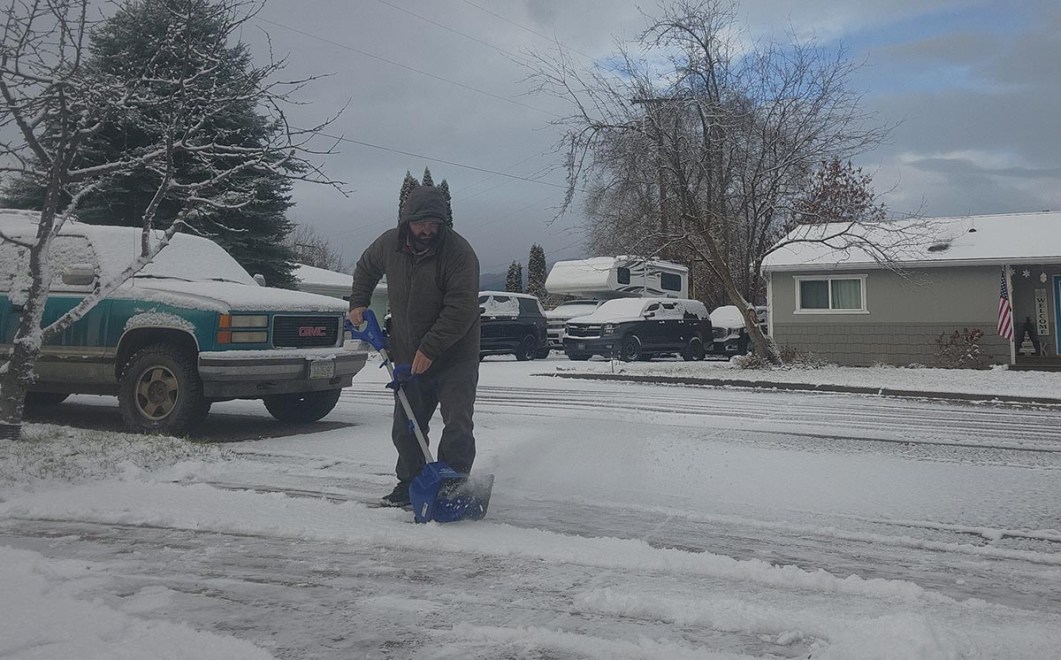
(618, 277)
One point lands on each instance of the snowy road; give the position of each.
(627, 521)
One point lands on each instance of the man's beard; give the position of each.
(421, 244)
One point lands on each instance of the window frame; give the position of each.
(799, 279)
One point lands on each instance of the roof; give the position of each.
(314, 275)
(1014, 238)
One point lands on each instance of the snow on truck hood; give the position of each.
(228, 296)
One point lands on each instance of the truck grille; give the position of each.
(305, 331)
(583, 330)
(719, 333)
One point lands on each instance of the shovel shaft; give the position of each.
(408, 409)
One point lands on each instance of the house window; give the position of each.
(818, 295)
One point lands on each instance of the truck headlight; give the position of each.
(243, 329)
(610, 328)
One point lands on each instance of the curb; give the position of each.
(807, 387)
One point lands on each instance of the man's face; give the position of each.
(423, 233)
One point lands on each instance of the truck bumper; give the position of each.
(606, 346)
(254, 374)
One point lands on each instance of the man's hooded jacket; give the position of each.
(434, 296)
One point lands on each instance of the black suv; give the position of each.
(640, 329)
(512, 323)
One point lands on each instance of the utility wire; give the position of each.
(527, 29)
(407, 67)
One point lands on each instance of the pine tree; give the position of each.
(514, 281)
(428, 181)
(254, 234)
(408, 184)
(444, 187)
(536, 272)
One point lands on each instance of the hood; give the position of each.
(229, 296)
(423, 203)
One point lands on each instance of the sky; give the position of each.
(968, 86)
(627, 522)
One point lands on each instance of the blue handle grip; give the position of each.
(372, 332)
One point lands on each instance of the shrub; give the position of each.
(960, 349)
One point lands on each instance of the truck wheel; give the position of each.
(160, 391)
(630, 351)
(301, 407)
(43, 399)
(542, 353)
(527, 348)
(694, 350)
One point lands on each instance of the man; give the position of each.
(433, 289)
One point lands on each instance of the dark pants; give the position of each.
(453, 389)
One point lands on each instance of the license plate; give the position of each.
(581, 346)
(321, 369)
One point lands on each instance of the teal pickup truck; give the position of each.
(191, 328)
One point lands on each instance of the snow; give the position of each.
(727, 316)
(620, 309)
(629, 521)
(1031, 238)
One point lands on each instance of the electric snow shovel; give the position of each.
(439, 492)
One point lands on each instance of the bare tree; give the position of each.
(54, 98)
(312, 249)
(722, 140)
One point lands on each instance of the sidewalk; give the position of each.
(990, 385)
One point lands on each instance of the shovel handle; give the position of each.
(372, 333)
(374, 336)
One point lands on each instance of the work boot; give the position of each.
(398, 497)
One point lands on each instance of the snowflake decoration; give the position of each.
(1026, 273)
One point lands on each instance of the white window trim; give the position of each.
(829, 278)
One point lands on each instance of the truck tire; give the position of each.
(694, 350)
(301, 407)
(159, 391)
(527, 348)
(630, 349)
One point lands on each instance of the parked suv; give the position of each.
(640, 329)
(561, 314)
(730, 334)
(512, 323)
(191, 328)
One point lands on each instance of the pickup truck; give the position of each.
(191, 328)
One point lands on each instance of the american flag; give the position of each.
(1005, 311)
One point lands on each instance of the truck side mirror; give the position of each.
(79, 274)
(260, 279)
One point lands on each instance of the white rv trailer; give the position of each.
(618, 277)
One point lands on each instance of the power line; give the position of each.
(527, 29)
(407, 67)
(477, 40)
(443, 161)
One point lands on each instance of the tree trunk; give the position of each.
(13, 386)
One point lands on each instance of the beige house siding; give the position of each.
(904, 316)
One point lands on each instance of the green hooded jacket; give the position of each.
(433, 297)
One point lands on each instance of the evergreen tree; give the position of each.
(444, 187)
(428, 181)
(254, 234)
(514, 281)
(408, 184)
(536, 272)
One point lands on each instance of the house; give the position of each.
(840, 302)
(338, 285)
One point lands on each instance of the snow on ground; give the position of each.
(620, 528)
(997, 381)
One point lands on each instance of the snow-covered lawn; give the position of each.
(629, 521)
